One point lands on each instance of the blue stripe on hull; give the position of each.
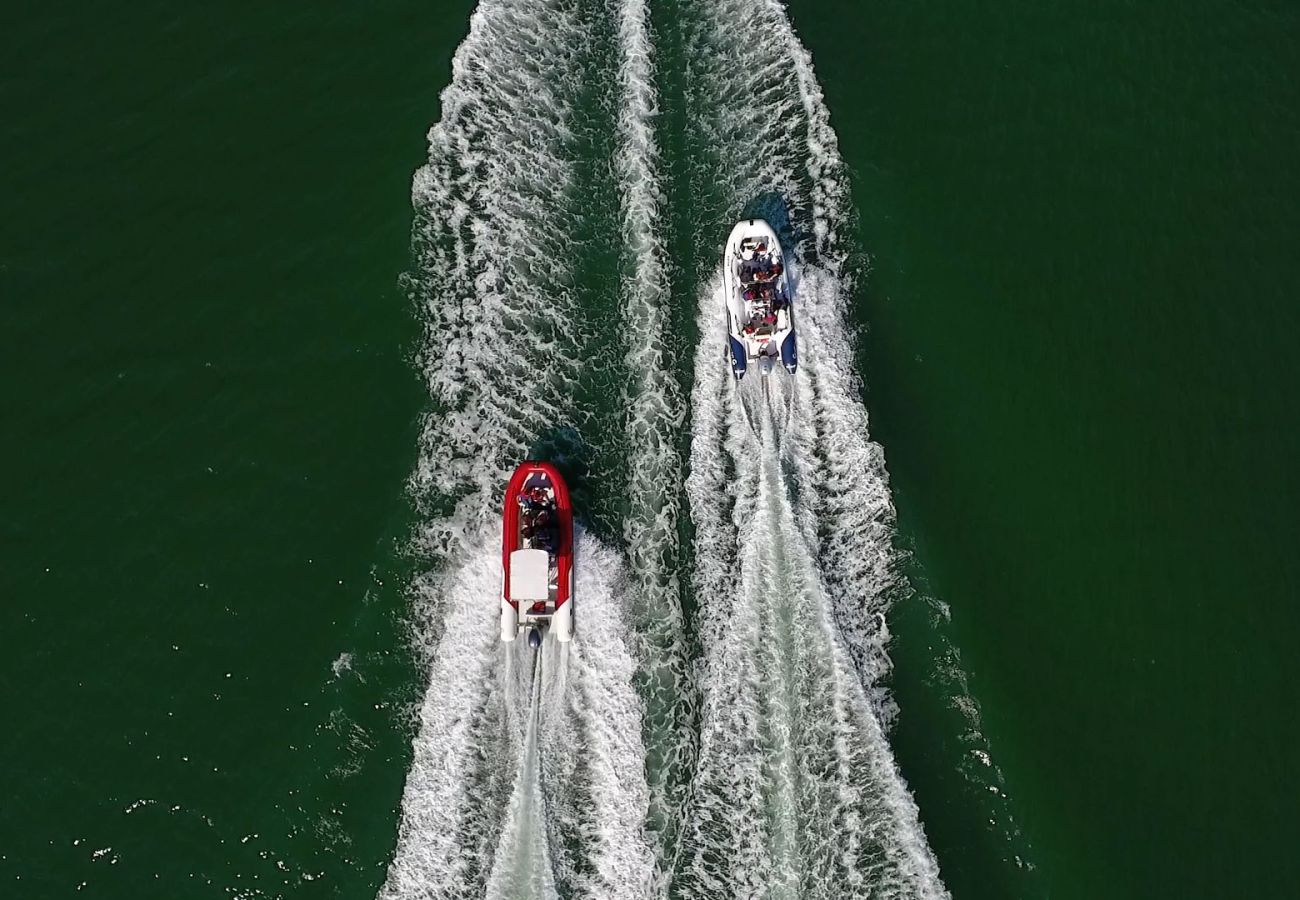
(739, 359)
(789, 354)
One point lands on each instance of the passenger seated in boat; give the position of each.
(545, 536)
(534, 498)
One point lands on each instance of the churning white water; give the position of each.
(529, 772)
(797, 793)
(618, 766)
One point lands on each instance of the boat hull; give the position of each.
(759, 310)
(537, 562)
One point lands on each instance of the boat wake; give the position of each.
(610, 767)
(655, 412)
(497, 209)
(796, 793)
(528, 773)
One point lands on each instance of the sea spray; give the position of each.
(790, 499)
(494, 207)
(655, 411)
(528, 770)
(787, 494)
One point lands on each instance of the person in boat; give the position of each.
(545, 539)
(546, 533)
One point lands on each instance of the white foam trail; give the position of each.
(467, 750)
(602, 715)
(517, 786)
(792, 574)
(655, 412)
(523, 784)
(797, 794)
(757, 94)
(495, 206)
(522, 867)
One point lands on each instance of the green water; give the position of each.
(1081, 221)
(210, 416)
(1081, 361)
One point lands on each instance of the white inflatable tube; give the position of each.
(562, 622)
(509, 622)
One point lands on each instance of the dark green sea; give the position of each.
(270, 342)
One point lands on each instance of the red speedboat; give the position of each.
(537, 555)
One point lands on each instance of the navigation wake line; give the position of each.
(611, 767)
(797, 793)
(528, 771)
(526, 779)
(655, 412)
(495, 209)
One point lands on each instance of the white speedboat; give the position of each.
(760, 320)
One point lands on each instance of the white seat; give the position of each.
(530, 575)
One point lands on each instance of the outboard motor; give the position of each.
(534, 638)
(765, 364)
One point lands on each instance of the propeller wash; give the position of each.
(737, 750)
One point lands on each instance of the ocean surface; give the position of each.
(995, 599)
